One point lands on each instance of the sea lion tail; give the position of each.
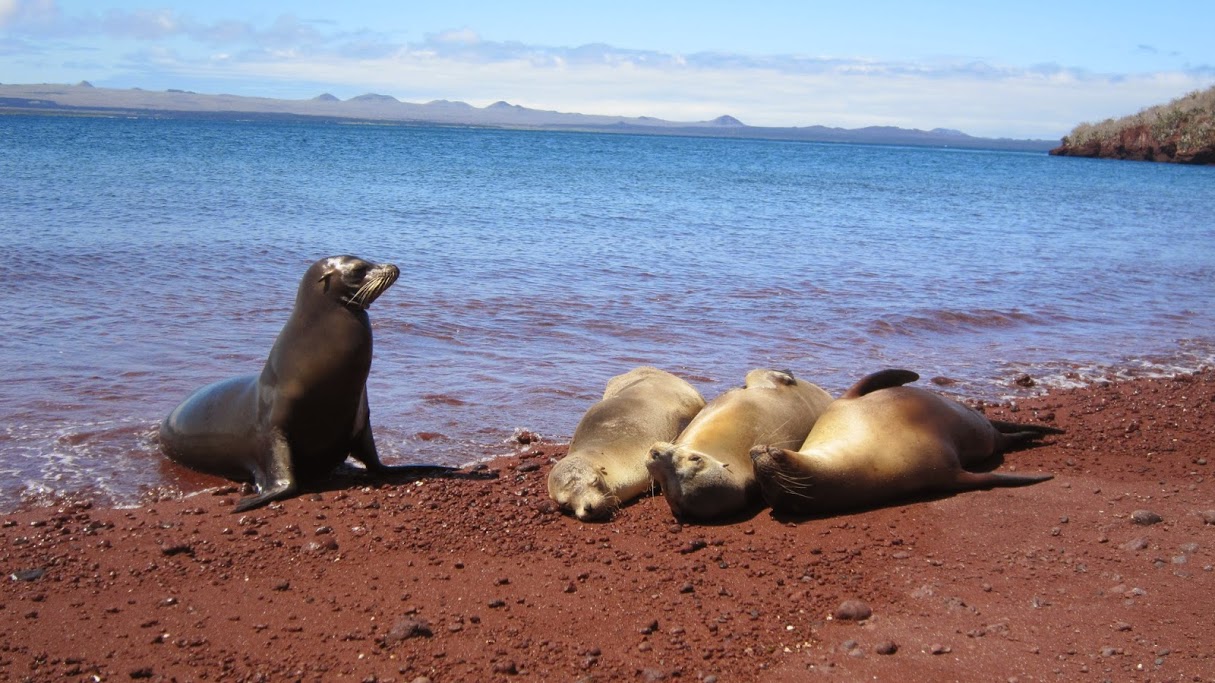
(882, 379)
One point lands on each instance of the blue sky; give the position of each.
(1006, 69)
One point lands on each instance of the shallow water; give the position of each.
(145, 258)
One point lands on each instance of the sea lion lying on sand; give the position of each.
(882, 441)
(605, 466)
(707, 472)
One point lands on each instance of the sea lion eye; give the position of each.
(694, 458)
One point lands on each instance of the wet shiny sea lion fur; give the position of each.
(882, 441)
(605, 466)
(307, 410)
(707, 474)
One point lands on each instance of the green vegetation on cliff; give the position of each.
(1181, 131)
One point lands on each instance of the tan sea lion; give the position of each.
(605, 466)
(882, 441)
(707, 472)
(307, 410)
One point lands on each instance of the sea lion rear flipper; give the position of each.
(1018, 429)
(971, 481)
(882, 379)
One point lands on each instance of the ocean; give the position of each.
(144, 258)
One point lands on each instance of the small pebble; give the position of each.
(1145, 517)
(1134, 544)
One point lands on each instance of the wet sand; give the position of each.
(1103, 573)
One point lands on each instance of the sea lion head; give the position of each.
(782, 476)
(349, 280)
(695, 484)
(582, 488)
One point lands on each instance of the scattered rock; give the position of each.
(1146, 517)
(28, 574)
(694, 545)
(853, 610)
(406, 628)
(524, 437)
(886, 647)
(1136, 544)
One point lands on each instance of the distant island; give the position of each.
(1182, 131)
(83, 99)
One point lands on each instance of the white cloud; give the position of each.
(978, 97)
(15, 12)
(464, 36)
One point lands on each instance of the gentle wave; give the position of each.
(535, 266)
(947, 322)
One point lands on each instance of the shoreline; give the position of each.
(473, 578)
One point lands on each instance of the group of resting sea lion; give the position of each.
(307, 412)
(879, 442)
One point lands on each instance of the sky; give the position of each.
(1026, 69)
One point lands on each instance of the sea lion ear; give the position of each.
(329, 272)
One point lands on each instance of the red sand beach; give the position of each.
(1104, 573)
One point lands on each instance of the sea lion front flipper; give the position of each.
(276, 480)
(882, 379)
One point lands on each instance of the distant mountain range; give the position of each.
(83, 99)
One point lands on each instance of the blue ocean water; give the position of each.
(143, 258)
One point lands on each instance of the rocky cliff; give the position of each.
(1183, 131)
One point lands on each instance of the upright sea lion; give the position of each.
(881, 441)
(307, 410)
(605, 466)
(707, 472)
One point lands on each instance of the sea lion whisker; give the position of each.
(793, 485)
(371, 289)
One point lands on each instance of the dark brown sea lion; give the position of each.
(706, 473)
(307, 410)
(882, 441)
(605, 466)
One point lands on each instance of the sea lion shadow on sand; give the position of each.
(348, 475)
